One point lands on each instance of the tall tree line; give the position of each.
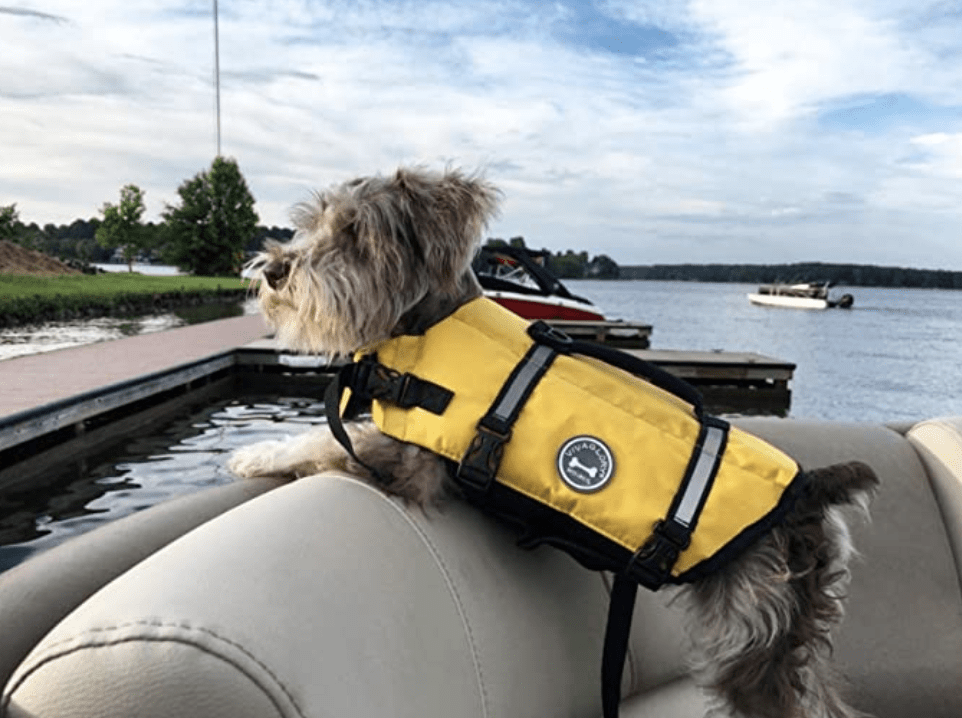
(851, 275)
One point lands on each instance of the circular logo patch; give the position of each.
(585, 463)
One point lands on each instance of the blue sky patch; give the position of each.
(589, 27)
(873, 114)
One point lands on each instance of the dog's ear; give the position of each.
(308, 215)
(446, 215)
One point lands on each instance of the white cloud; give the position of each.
(788, 57)
(713, 144)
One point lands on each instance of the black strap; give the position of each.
(368, 379)
(617, 631)
(332, 409)
(561, 342)
(651, 566)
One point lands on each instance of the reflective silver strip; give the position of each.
(532, 367)
(700, 476)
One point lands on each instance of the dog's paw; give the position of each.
(256, 460)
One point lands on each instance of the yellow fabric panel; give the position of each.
(650, 432)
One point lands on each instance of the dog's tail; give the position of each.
(765, 626)
(849, 483)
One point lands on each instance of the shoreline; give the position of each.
(27, 300)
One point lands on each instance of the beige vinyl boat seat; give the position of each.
(324, 598)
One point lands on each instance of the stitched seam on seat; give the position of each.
(449, 581)
(53, 654)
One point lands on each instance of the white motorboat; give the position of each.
(804, 295)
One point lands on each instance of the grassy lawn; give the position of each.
(28, 299)
(108, 285)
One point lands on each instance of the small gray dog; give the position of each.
(379, 257)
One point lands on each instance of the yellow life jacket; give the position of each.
(622, 473)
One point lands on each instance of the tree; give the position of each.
(602, 267)
(9, 221)
(121, 226)
(207, 233)
(568, 265)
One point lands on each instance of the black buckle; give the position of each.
(377, 381)
(383, 383)
(357, 375)
(480, 463)
(652, 564)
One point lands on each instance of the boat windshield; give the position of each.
(518, 269)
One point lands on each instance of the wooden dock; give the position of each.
(730, 382)
(55, 395)
(48, 398)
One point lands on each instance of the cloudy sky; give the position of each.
(649, 130)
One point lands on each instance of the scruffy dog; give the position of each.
(383, 256)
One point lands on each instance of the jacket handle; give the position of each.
(562, 343)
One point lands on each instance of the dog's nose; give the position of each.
(276, 272)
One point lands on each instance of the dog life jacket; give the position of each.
(586, 448)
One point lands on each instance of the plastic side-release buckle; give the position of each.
(404, 390)
(480, 462)
(652, 564)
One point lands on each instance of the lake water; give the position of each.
(187, 453)
(159, 270)
(895, 356)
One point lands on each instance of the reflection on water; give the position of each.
(21, 341)
(186, 454)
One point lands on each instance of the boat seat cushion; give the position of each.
(325, 597)
(37, 594)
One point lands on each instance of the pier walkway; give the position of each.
(38, 379)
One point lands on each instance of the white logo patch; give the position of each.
(585, 463)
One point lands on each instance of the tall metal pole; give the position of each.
(217, 72)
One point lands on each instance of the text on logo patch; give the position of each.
(585, 463)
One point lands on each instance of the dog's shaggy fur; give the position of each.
(383, 256)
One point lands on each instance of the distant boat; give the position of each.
(516, 278)
(804, 295)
